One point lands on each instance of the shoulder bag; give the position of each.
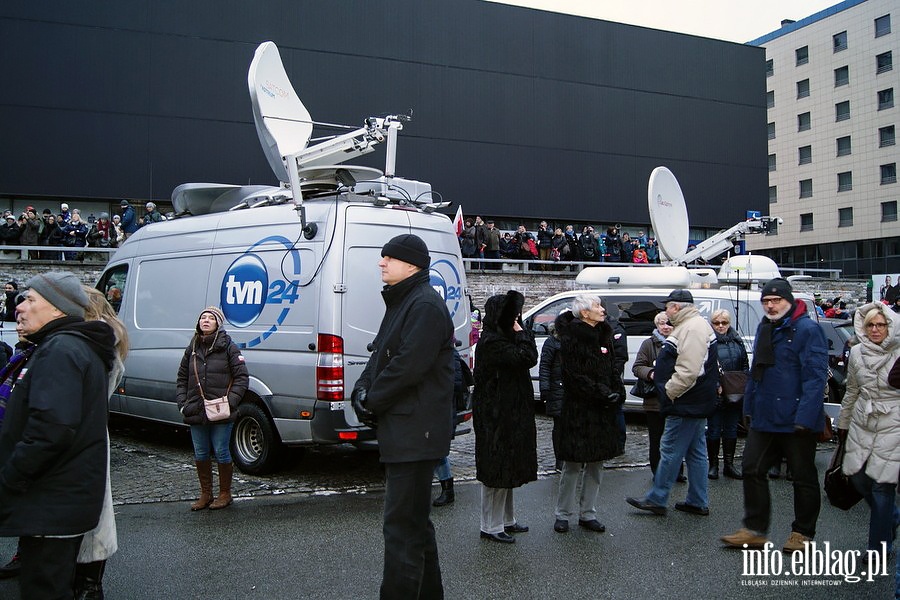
(643, 389)
(838, 487)
(733, 384)
(217, 409)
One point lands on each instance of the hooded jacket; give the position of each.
(871, 407)
(503, 403)
(53, 440)
(409, 377)
(687, 370)
(790, 393)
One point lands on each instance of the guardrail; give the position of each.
(486, 265)
(55, 253)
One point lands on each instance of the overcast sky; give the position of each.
(732, 20)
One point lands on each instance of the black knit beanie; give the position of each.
(409, 248)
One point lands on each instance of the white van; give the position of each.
(294, 269)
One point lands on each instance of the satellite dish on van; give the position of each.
(283, 124)
(748, 268)
(668, 214)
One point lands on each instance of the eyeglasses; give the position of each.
(666, 324)
(721, 323)
(876, 325)
(773, 301)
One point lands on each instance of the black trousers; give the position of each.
(762, 451)
(656, 423)
(411, 567)
(48, 567)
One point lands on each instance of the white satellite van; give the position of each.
(294, 269)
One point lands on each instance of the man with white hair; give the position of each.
(686, 378)
(152, 215)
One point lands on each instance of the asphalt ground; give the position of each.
(314, 530)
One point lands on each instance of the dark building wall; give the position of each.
(517, 112)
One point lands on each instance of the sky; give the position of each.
(733, 20)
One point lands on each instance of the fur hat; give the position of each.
(214, 311)
(62, 290)
(409, 248)
(501, 311)
(778, 287)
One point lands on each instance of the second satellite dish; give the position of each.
(668, 214)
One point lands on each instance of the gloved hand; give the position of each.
(358, 401)
(545, 397)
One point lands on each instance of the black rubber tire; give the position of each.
(255, 445)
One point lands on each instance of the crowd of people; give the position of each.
(480, 239)
(69, 229)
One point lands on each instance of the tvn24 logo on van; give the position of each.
(247, 288)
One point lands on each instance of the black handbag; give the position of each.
(643, 389)
(839, 489)
(733, 384)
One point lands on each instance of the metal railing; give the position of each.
(18, 253)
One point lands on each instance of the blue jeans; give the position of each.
(442, 470)
(884, 514)
(684, 438)
(215, 435)
(723, 423)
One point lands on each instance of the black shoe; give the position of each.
(561, 526)
(775, 472)
(502, 537)
(681, 478)
(713, 472)
(593, 525)
(644, 505)
(690, 508)
(515, 528)
(12, 568)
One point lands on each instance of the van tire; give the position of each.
(255, 446)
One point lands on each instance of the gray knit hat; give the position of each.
(62, 290)
(778, 287)
(214, 311)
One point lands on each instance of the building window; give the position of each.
(840, 41)
(803, 53)
(884, 62)
(882, 25)
(806, 188)
(806, 222)
(770, 67)
(886, 136)
(803, 121)
(889, 173)
(843, 146)
(773, 194)
(803, 88)
(770, 99)
(845, 217)
(770, 130)
(841, 76)
(842, 110)
(889, 211)
(771, 162)
(845, 181)
(886, 99)
(805, 155)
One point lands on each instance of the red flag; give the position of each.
(458, 221)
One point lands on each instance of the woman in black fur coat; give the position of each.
(592, 391)
(503, 414)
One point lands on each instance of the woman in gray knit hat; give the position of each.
(212, 367)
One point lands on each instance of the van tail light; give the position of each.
(330, 368)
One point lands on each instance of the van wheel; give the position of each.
(254, 443)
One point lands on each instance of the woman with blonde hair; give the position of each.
(722, 425)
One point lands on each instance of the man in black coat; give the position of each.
(53, 441)
(406, 390)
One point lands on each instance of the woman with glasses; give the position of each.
(644, 364)
(870, 419)
(722, 426)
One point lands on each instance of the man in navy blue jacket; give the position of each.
(785, 403)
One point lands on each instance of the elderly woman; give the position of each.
(644, 365)
(503, 414)
(592, 390)
(722, 426)
(868, 419)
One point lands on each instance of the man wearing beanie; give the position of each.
(406, 392)
(784, 401)
(53, 441)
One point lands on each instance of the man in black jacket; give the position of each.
(406, 390)
(53, 441)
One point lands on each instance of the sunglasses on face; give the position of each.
(721, 323)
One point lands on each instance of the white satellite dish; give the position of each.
(668, 214)
(748, 268)
(283, 124)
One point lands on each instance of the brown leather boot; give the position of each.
(226, 471)
(204, 474)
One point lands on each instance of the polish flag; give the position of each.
(458, 221)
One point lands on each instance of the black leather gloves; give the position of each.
(358, 401)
